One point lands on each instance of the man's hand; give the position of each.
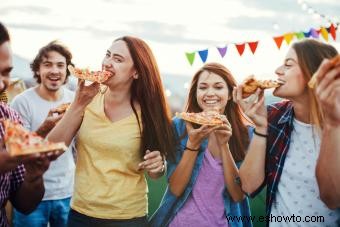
(37, 164)
(51, 120)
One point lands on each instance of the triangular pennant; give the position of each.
(222, 50)
(307, 34)
(253, 46)
(191, 57)
(332, 31)
(278, 40)
(203, 54)
(300, 35)
(288, 37)
(324, 33)
(240, 48)
(314, 33)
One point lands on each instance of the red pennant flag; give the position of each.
(332, 31)
(253, 46)
(278, 40)
(240, 48)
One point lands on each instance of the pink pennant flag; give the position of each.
(253, 46)
(240, 48)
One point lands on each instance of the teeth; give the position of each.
(210, 102)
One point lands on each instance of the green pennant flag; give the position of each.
(191, 57)
(300, 35)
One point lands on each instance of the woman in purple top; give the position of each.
(203, 188)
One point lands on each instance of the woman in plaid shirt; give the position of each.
(286, 143)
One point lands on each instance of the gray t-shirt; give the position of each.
(59, 178)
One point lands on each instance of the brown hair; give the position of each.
(4, 35)
(310, 54)
(43, 52)
(147, 90)
(239, 140)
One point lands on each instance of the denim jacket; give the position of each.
(171, 205)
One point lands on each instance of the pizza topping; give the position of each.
(62, 108)
(203, 118)
(20, 141)
(86, 74)
(250, 85)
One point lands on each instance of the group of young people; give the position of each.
(122, 129)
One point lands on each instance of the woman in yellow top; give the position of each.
(121, 130)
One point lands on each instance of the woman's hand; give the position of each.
(196, 136)
(223, 132)
(256, 111)
(328, 92)
(153, 164)
(85, 94)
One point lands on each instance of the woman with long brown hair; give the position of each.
(203, 179)
(286, 144)
(120, 129)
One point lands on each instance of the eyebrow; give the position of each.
(47, 61)
(204, 83)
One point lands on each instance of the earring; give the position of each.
(135, 76)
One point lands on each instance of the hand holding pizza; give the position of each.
(256, 111)
(328, 90)
(223, 133)
(196, 136)
(85, 94)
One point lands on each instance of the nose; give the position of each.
(210, 92)
(55, 69)
(279, 71)
(106, 64)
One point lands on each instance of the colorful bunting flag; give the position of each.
(332, 31)
(288, 37)
(240, 48)
(222, 50)
(253, 46)
(314, 33)
(203, 54)
(278, 40)
(191, 57)
(324, 33)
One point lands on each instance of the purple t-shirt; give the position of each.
(205, 205)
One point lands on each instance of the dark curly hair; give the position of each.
(43, 52)
(4, 36)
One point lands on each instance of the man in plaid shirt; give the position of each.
(21, 179)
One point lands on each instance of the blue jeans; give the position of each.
(54, 212)
(77, 219)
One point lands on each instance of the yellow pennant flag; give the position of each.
(324, 33)
(288, 37)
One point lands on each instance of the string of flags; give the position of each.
(324, 32)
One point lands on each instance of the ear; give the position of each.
(135, 76)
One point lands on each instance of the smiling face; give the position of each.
(119, 63)
(290, 74)
(212, 92)
(52, 71)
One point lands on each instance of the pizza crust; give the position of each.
(203, 118)
(250, 85)
(86, 74)
(20, 141)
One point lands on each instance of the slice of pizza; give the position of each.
(250, 85)
(334, 62)
(86, 74)
(203, 118)
(62, 108)
(20, 141)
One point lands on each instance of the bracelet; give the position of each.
(190, 149)
(260, 134)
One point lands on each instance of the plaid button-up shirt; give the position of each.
(9, 181)
(280, 127)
